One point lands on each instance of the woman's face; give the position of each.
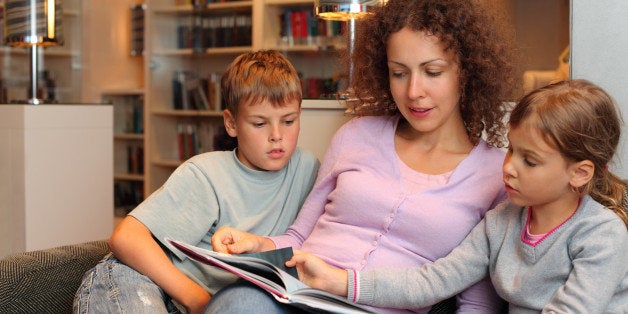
(424, 81)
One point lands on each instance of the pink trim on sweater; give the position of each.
(526, 228)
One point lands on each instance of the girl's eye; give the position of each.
(529, 163)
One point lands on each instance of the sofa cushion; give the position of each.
(45, 281)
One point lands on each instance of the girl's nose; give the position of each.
(507, 168)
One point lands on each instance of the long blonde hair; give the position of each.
(583, 122)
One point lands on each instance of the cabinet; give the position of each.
(54, 189)
(188, 46)
(61, 64)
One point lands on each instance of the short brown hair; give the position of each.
(257, 76)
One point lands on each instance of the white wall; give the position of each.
(599, 47)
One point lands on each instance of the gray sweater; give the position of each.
(581, 267)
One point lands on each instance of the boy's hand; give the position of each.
(234, 241)
(315, 273)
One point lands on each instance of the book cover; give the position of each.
(272, 277)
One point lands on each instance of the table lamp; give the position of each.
(345, 10)
(33, 24)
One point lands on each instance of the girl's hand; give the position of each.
(234, 241)
(315, 273)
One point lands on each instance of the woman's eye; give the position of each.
(434, 73)
(397, 74)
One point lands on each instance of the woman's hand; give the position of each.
(315, 273)
(234, 241)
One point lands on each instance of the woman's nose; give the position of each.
(415, 87)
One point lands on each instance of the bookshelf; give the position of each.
(128, 147)
(186, 46)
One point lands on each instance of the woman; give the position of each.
(405, 183)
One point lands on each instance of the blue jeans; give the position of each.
(243, 297)
(113, 287)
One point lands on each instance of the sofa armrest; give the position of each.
(45, 281)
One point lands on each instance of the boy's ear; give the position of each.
(582, 173)
(230, 123)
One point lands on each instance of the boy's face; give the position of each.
(267, 135)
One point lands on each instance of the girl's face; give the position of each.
(535, 173)
(267, 135)
(424, 81)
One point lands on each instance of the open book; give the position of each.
(259, 269)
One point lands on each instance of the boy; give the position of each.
(259, 187)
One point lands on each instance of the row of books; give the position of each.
(200, 31)
(128, 113)
(126, 196)
(193, 92)
(302, 27)
(193, 139)
(315, 87)
(137, 29)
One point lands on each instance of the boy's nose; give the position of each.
(275, 136)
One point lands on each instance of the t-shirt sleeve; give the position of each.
(184, 208)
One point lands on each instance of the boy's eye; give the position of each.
(289, 122)
(258, 124)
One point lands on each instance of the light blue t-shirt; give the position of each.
(215, 189)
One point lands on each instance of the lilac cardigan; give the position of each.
(358, 215)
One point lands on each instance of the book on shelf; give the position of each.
(214, 30)
(267, 271)
(302, 27)
(189, 92)
(187, 141)
(135, 159)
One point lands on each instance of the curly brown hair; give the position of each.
(478, 40)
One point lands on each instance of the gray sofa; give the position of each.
(45, 281)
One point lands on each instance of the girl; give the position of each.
(558, 245)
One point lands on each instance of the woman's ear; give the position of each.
(230, 123)
(582, 173)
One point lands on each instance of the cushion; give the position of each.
(45, 281)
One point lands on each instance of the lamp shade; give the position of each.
(342, 10)
(32, 23)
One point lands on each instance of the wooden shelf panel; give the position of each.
(226, 7)
(128, 136)
(128, 177)
(187, 113)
